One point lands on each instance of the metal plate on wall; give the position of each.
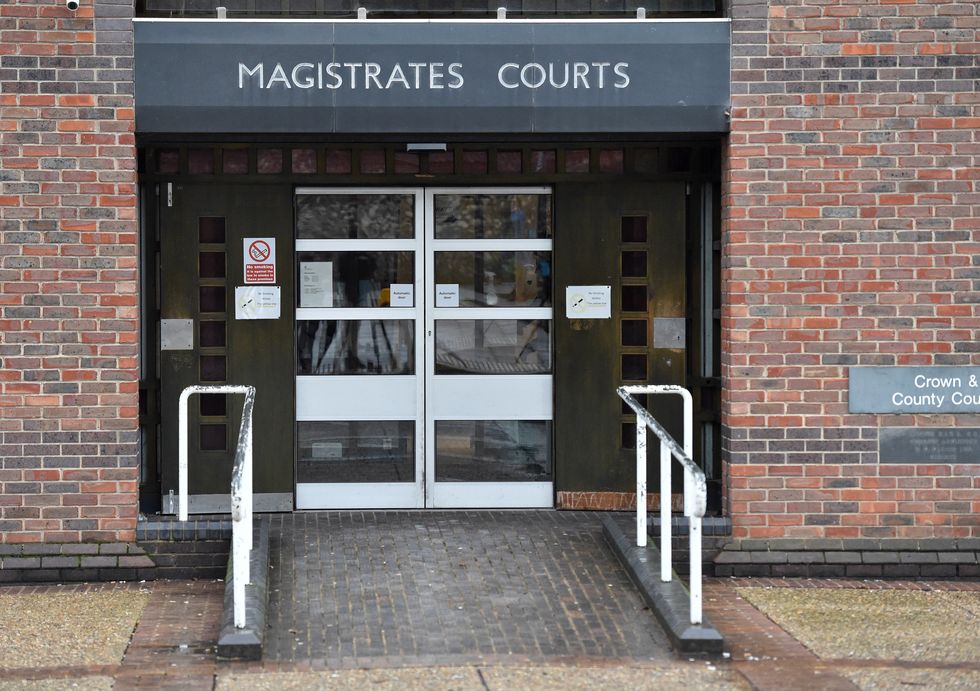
(669, 332)
(929, 445)
(176, 334)
(914, 390)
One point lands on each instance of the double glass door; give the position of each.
(424, 347)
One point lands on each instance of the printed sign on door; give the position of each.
(260, 260)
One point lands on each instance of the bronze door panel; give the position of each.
(201, 263)
(630, 236)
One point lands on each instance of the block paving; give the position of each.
(449, 586)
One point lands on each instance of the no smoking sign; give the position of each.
(260, 260)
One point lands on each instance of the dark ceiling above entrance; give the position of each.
(209, 76)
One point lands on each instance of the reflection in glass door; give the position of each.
(359, 383)
(424, 350)
(489, 348)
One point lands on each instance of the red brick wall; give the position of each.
(851, 237)
(68, 281)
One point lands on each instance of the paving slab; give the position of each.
(451, 587)
(662, 677)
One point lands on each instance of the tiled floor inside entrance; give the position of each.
(451, 587)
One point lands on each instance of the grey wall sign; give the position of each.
(928, 445)
(431, 76)
(914, 390)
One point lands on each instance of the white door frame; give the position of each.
(476, 397)
(402, 397)
(367, 397)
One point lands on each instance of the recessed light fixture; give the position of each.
(426, 146)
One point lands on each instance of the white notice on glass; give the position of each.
(257, 302)
(588, 302)
(447, 295)
(402, 295)
(316, 284)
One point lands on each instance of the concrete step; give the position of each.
(670, 602)
(246, 643)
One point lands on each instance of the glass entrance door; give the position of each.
(488, 348)
(360, 383)
(424, 353)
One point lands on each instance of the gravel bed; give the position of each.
(879, 679)
(80, 684)
(676, 677)
(876, 624)
(67, 629)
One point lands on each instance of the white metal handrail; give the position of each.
(241, 487)
(695, 485)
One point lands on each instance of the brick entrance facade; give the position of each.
(69, 340)
(851, 236)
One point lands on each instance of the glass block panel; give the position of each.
(338, 161)
(269, 161)
(634, 332)
(211, 229)
(359, 279)
(234, 161)
(633, 228)
(543, 161)
(212, 298)
(493, 451)
(200, 161)
(497, 279)
(212, 334)
(168, 161)
(646, 160)
(634, 367)
(355, 216)
(407, 163)
(628, 435)
(679, 159)
(634, 298)
(214, 437)
(355, 347)
(357, 451)
(212, 264)
(611, 161)
(641, 399)
(213, 404)
(634, 263)
(492, 216)
(441, 163)
(213, 368)
(475, 162)
(509, 162)
(373, 162)
(303, 161)
(577, 161)
(498, 346)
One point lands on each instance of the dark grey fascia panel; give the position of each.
(432, 76)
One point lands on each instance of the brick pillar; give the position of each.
(851, 237)
(68, 273)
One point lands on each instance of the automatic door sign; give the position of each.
(260, 260)
(588, 302)
(257, 302)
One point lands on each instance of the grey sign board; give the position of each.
(437, 76)
(914, 390)
(928, 445)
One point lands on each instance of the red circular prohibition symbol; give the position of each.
(259, 250)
